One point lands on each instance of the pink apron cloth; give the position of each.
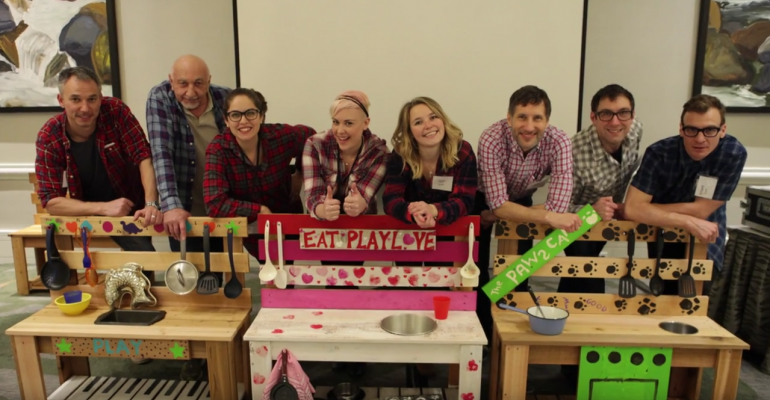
(296, 375)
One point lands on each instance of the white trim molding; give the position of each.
(16, 172)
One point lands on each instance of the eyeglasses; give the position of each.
(709, 131)
(251, 114)
(623, 115)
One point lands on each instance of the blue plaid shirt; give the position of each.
(670, 176)
(171, 141)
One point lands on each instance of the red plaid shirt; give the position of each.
(234, 187)
(122, 146)
(320, 159)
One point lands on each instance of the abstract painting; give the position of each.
(40, 38)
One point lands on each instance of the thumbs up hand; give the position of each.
(355, 204)
(331, 206)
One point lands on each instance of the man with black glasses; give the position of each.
(605, 156)
(684, 181)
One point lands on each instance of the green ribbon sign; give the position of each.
(538, 256)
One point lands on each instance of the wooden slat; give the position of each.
(570, 355)
(445, 252)
(126, 226)
(193, 390)
(88, 388)
(154, 261)
(167, 298)
(66, 388)
(292, 223)
(35, 198)
(612, 304)
(324, 275)
(365, 299)
(604, 231)
(606, 267)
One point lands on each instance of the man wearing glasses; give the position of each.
(605, 156)
(684, 181)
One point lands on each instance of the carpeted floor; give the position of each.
(544, 379)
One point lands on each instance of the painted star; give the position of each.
(177, 350)
(63, 346)
(55, 224)
(231, 225)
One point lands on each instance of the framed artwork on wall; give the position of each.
(732, 60)
(40, 38)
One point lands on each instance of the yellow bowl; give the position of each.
(73, 308)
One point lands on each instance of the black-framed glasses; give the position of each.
(251, 114)
(623, 115)
(709, 131)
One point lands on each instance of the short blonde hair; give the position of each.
(350, 99)
(406, 146)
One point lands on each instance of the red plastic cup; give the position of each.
(441, 306)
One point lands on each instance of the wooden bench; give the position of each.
(318, 324)
(607, 320)
(205, 326)
(31, 237)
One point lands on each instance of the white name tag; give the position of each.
(64, 179)
(539, 184)
(706, 186)
(443, 183)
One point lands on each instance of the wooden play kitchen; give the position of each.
(152, 322)
(318, 324)
(627, 344)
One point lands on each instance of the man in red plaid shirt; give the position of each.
(97, 151)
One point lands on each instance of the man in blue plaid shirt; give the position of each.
(684, 181)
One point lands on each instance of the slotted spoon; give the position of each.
(208, 283)
(686, 281)
(470, 271)
(656, 282)
(627, 284)
(268, 271)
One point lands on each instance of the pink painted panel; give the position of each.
(341, 299)
(324, 275)
(445, 252)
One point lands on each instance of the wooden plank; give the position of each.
(727, 372)
(193, 390)
(410, 391)
(451, 394)
(150, 389)
(221, 366)
(65, 389)
(514, 371)
(29, 370)
(121, 348)
(171, 390)
(470, 371)
(35, 199)
(368, 239)
(340, 299)
(109, 388)
(292, 223)
(445, 251)
(610, 267)
(154, 261)
(314, 275)
(604, 231)
(20, 266)
(130, 388)
(166, 298)
(370, 393)
(570, 355)
(612, 304)
(88, 388)
(126, 226)
(387, 392)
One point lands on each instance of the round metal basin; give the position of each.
(408, 324)
(679, 328)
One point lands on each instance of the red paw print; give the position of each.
(468, 396)
(472, 366)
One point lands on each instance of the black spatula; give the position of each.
(627, 284)
(208, 283)
(656, 283)
(686, 281)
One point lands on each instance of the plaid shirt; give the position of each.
(596, 173)
(320, 160)
(173, 149)
(122, 146)
(401, 189)
(234, 187)
(505, 174)
(670, 176)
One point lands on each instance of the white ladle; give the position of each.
(470, 272)
(268, 271)
(281, 278)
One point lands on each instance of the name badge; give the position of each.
(64, 179)
(443, 183)
(539, 184)
(108, 145)
(706, 186)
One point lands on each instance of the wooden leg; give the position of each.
(727, 373)
(242, 359)
(69, 366)
(20, 266)
(222, 377)
(470, 372)
(685, 383)
(514, 372)
(453, 376)
(39, 259)
(494, 365)
(29, 371)
(260, 354)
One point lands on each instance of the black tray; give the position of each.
(130, 317)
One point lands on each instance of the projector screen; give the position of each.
(470, 56)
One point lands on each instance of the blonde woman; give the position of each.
(431, 175)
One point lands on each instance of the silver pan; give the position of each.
(182, 276)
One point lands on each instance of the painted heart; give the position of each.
(316, 326)
(307, 278)
(472, 366)
(407, 270)
(426, 269)
(212, 225)
(450, 284)
(294, 270)
(321, 271)
(288, 316)
(349, 283)
(72, 226)
(331, 281)
(342, 274)
(433, 277)
(317, 313)
(452, 270)
(277, 331)
(408, 239)
(258, 379)
(413, 279)
(394, 280)
(374, 280)
(359, 272)
(261, 350)
(468, 396)
(386, 270)
(159, 228)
